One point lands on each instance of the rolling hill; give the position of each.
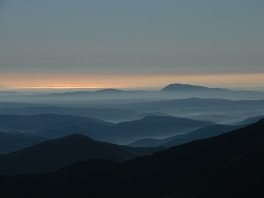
(152, 126)
(16, 141)
(250, 120)
(188, 170)
(201, 133)
(53, 126)
(207, 92)
(107, 114)
(62, 152)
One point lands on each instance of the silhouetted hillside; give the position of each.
(206, 92)
(195, 104)
(16, 141)
(58, 153)
(108, 91)
(107, 114)
(241, 177)
(101, 94)
(119, 110)
(223, 118)
(53, 126)
(189, 107)
(250, 120)
(153, 126)
(180, 171)
(201, 133)
(187, 87)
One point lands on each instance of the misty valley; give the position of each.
(131, 99)
(180, 141)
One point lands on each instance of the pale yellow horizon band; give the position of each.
(129, 81)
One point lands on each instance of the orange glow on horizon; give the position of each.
(100, 81)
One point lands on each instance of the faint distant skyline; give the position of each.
(147, 43)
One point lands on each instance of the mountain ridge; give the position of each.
(54, 126)
(189, 87)
(10, 142)
(61, 152)
(201, 133)
(175, 172)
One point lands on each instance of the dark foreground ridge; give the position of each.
(61, 152)
(229, 165)
(10, 142)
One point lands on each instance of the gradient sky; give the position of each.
(122, 43)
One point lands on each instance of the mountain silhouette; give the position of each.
(53, 126)
(61, 152)
(188, 87)
(186, 90)
(100, 91)
(198, 104)
(189, 107)
(212, 109)
(250, 120)
(16, 141)
(152, 126)
(188, 170)
(201, 133)
(107, 114)
(202, 91)
(240, 177)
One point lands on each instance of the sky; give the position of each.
(131, 43)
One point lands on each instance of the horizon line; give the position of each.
(80, 88)
(90, 81)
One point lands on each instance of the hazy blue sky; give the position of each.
(132, 36)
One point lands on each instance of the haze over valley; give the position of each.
(142, 98)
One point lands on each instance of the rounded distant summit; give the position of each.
(187, 87)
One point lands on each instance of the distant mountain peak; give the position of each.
(187, 87)
(110, 90)
(100, 91)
